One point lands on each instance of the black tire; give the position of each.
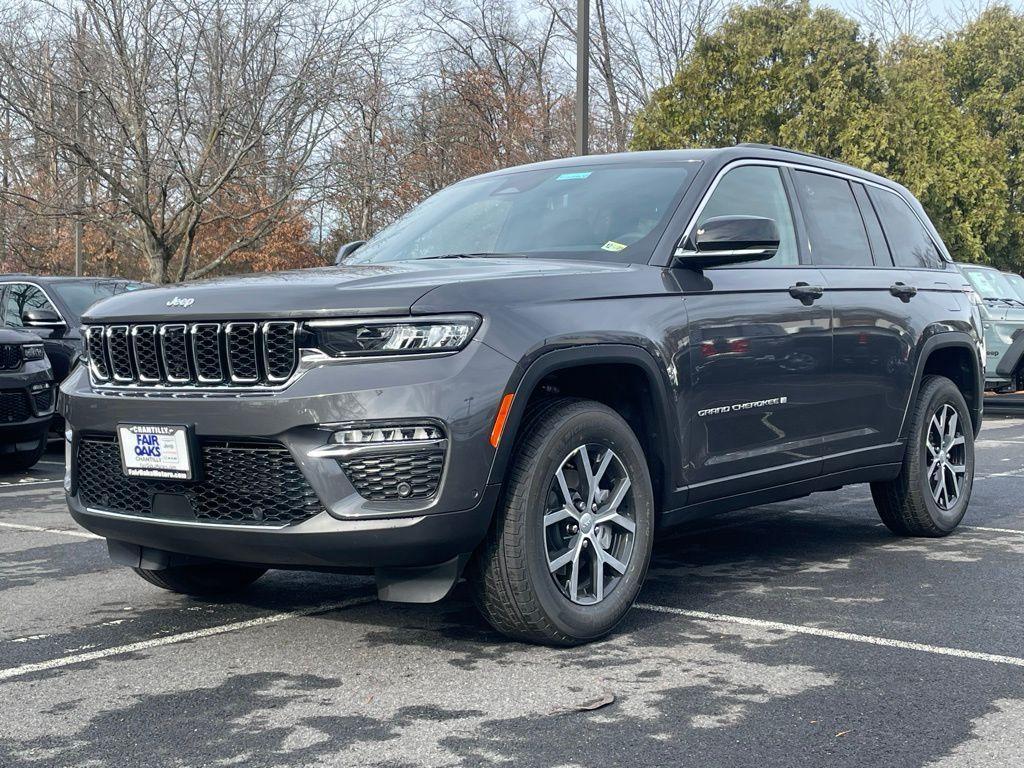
(907, 505)
(513, 586)
(213, 580)
(24, 459)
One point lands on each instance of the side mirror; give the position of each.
(40, 318)
(730, 240)
(347, 250)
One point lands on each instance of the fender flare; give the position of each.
(945, 340)
(1011, 358)
(578, 356)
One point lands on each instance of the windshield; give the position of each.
(991, 284)
(1017, 283)
(607, 212)
(79, 296)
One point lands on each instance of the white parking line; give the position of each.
(1014, 531)
(6, 485)
(39, 529)
(833, 634)
(182, 637)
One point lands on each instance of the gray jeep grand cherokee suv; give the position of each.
(532, 375)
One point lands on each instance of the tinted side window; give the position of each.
(834, 225)
(909, 241)
(756, 190)
(879, 247)
(20, 297)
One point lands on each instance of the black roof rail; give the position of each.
(756, 145)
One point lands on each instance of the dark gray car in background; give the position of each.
(51, 308)
(532, 375)
(27, 398)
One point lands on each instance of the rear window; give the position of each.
(909, 241)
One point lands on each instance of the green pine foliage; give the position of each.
(945, 118)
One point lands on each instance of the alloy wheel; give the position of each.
(947, 456)
(589, 523)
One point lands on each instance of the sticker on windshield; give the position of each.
(611, 245)
(576, 175)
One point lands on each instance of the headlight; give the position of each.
(381, 337)
(32, 352)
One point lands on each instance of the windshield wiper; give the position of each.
(481, 255)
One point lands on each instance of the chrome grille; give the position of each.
(147, 360)
(206, 352)
(241, 339)
(193, 355)
(96, 348)
(120, 353)
(279, 349)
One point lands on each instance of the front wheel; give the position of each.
(571, 542)
(930, 495)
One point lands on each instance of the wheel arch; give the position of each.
(584, 371)
(952, 354)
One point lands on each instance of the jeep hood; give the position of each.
(363, 289)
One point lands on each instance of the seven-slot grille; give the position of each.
(236, 354)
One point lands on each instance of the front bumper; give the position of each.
(461, 392)
(31, 387)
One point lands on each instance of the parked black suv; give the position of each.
(27, 398)
(532, 374)
(52, 307)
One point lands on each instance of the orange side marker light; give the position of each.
(499, 420)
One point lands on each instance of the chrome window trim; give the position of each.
(63, 321)
(794, 166)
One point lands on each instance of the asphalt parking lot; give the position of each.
(800, 633)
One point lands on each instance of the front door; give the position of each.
(760, 353)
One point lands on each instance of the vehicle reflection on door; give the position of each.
(760, 360)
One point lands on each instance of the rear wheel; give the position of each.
(571, 541)
(931, 493)
(24, 459)
(206, 580)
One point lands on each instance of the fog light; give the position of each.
(383, 435)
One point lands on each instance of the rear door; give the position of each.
(760, 351)
(877, 319)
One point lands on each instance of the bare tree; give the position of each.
(635, 48)
(203, 115)
(890, 20)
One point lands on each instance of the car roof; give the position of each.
(719, 155)
(62, 278)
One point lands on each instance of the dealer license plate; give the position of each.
(155, 451)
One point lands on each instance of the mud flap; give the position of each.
(427, 584)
